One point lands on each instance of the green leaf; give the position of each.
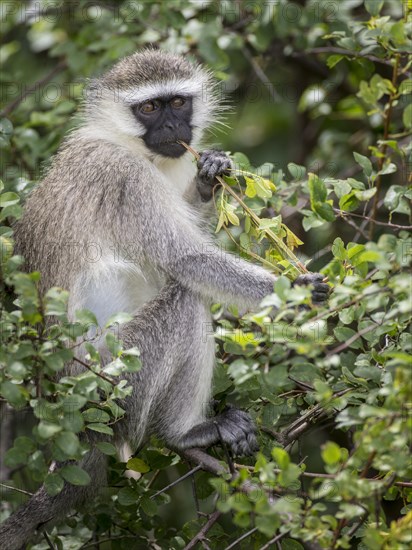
(331, 453)
(95, 415)
(72, 421)
(373, 6)
(365, 163)
(13, 394)
(46, 430)
(325, 211)
(268, 525)
(405, 87)
(343, 334)
(365, 195)
(118, 319)
(75, 475)
(296, 171)
(406, 117)
(318, 194)
(395, 199)
(106, 448)
(137, 465)
(274, 224)
(281, 457)
(250, 188)
(67, 442)
(6, 127)
(368, 256)
(101, 428)
(148, 505)
(282, 286)
(349, 202)
(53, 484)
(317, 189)
(127, 496)
(333, 60)
(338, 249)
(86, 317)
(262, 188)
(6, 199)
(113, 344)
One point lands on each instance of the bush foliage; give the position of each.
(321, 93)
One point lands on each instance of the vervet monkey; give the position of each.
(123, 186)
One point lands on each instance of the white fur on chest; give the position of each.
(114, 283)
(179, 173)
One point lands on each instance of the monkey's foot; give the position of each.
(233, 427)
(238, 431)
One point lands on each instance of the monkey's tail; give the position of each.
(42, 508)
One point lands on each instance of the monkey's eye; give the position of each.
(177, 102)
(148, 107)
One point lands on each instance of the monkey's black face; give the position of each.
(167, 119)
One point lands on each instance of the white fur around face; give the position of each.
(138, 94)
(109, 115)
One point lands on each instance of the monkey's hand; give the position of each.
(320, 291)
(211, 164)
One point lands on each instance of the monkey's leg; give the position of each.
(41, 508)
(175, 336)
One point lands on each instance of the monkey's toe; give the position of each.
(238, 432)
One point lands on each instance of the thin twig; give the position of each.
(272, 541)
(387, 120)
(181, 478)
(99, 374)
(316, 475)
(41, 82)
(108, 539)
(352, 339)
(349, 53)
(49, 542)
(343, 213)
(202, 533)
(225, 449)
(22, 491)
(261, 75)
(243, 537)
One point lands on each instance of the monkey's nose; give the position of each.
(170, 126)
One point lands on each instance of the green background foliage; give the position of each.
(320, 94)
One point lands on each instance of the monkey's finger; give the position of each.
(322, 287)
(230, 432)
(214, 169)
(243, 448)
(309, 278)
(253, 443)
(236, 414)
(318, 297)
(204, 172)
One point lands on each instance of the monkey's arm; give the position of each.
(171, 241)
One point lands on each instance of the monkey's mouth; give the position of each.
(169, 148)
